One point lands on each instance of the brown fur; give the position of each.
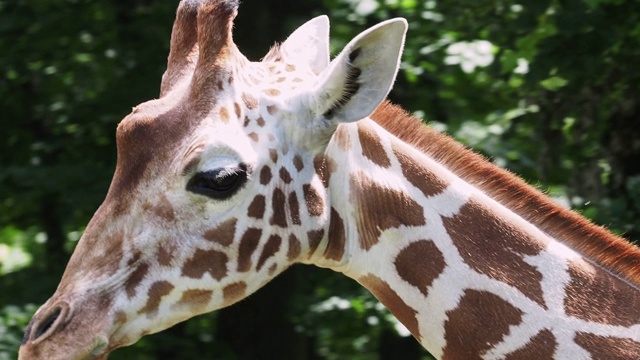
(493, 247)
(606, 347)
(593, 242)
(471, 330)
(293, 251)
(541, 346)
(412, 267)
(234, 292)
(381, 208)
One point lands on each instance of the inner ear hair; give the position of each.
(350, 88)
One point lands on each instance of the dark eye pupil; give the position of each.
(219, 183)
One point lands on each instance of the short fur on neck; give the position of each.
(594, 242)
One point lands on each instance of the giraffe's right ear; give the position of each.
(359, 79)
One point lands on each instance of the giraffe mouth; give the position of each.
(99, 350)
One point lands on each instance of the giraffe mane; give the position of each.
(592, 241)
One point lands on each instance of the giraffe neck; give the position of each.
(467, 275)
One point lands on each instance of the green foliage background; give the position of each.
(546, 88)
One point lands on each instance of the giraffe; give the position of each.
(240, 169)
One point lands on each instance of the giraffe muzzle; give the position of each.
(51, 335)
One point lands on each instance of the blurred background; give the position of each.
(547, 89)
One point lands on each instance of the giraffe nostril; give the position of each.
(49, 323)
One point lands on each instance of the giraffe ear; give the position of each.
(359, 79)
(309, 44)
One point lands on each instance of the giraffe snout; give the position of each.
(62, 331)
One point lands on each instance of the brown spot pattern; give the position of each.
(297, 162)
(135, 279)
(163, 255)
(294, 208)
(541, 346)
(290, 68)
(293, 251)
(337, 238)
(238, 110)
(223, 234)
(285, 176)
(272, 109)
(272, 92)
(320, 164)
(419, 264)
(273, 155)
(254, 137)
(371, 145)
(196, 299)
(491, 246)
(234, 292)
(224, 115)
(609, 348)
(249, 101)
(387, 296)
(315, 237)
(593, 241)
(248, 245)
(315, 203)
(270, 248)
(257, 207)
(380, 209)
(265, 175)
(600, 297)
(479, 322)
(206, 261)
(156, 292)
(260, 121)
(419, 176)
(279, 216)
(247, 121)
(164, 210)
(272, 269)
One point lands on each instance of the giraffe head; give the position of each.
(219, 184)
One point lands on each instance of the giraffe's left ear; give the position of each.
(359, 79)
(309, 44)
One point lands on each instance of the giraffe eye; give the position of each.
(220, 183)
